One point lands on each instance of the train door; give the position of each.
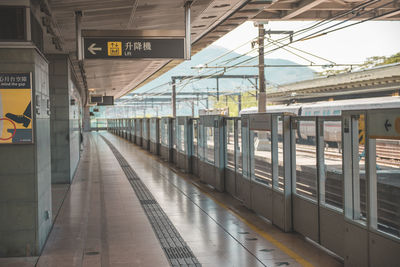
(372, 194)
(304, 175)
(261, 168)
(317, 173)
(281, 172)
(230, 159)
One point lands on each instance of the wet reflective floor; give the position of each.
(102, 223)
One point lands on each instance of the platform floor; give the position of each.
(102, 223)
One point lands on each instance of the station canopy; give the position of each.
(210, 19)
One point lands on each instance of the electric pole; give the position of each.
(262, 98)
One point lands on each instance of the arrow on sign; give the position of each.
(92, 48)
(387, 125)
(282, 263)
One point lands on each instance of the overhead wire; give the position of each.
(189, 80)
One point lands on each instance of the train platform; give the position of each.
(127, 208)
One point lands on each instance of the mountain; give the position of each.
(274, 75)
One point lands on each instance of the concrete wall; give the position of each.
(25, 172)
(65, 119)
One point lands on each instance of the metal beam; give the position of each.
(132, 16)
(197, 77)
(390, 14)
(303, 7)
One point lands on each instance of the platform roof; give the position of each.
(210, 20)
(383, 79)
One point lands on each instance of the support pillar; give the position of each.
(65, 110)
(25, 169)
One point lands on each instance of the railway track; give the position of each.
(386, 156)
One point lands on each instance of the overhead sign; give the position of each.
(133, 48)
(384, 124)
(15, 108)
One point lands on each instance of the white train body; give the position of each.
(332, 131)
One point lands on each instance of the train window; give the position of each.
(387, 187)
(306, 160)
(209, 139)
(230, 144)
(336, 112)
(333, 182)
(262, 157)
(316, 113)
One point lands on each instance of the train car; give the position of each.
(306, 130)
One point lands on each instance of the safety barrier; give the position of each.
(333, 179)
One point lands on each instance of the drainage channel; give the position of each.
(175, 248)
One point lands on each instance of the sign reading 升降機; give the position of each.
(133, 48)
(15, 108)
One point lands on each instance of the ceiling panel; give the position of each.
(210, 20)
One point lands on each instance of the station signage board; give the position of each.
(16, 108)
(384, 124)
(133, 48)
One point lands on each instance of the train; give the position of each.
(332, 133)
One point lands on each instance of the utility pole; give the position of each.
(262, 98)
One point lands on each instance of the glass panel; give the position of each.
(230, 144)
(181, 138)
(138, 130)
(160, 126)
(360, 190)
(201, 142)
(281, 169)
(306, 160)
(195, 137)
(145, 129)
(93, 123)
(262, 156)
(153, 131)
(165, 133)
(239, 156)
(246, 150)
(333, 164)
(173, 134)
(209, 144)
(388, 185)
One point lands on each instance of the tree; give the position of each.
(369, 62)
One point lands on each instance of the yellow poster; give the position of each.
(15, 108)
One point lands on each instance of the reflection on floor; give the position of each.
(58, 192)
(102, 223)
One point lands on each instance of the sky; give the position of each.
(350, 45)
